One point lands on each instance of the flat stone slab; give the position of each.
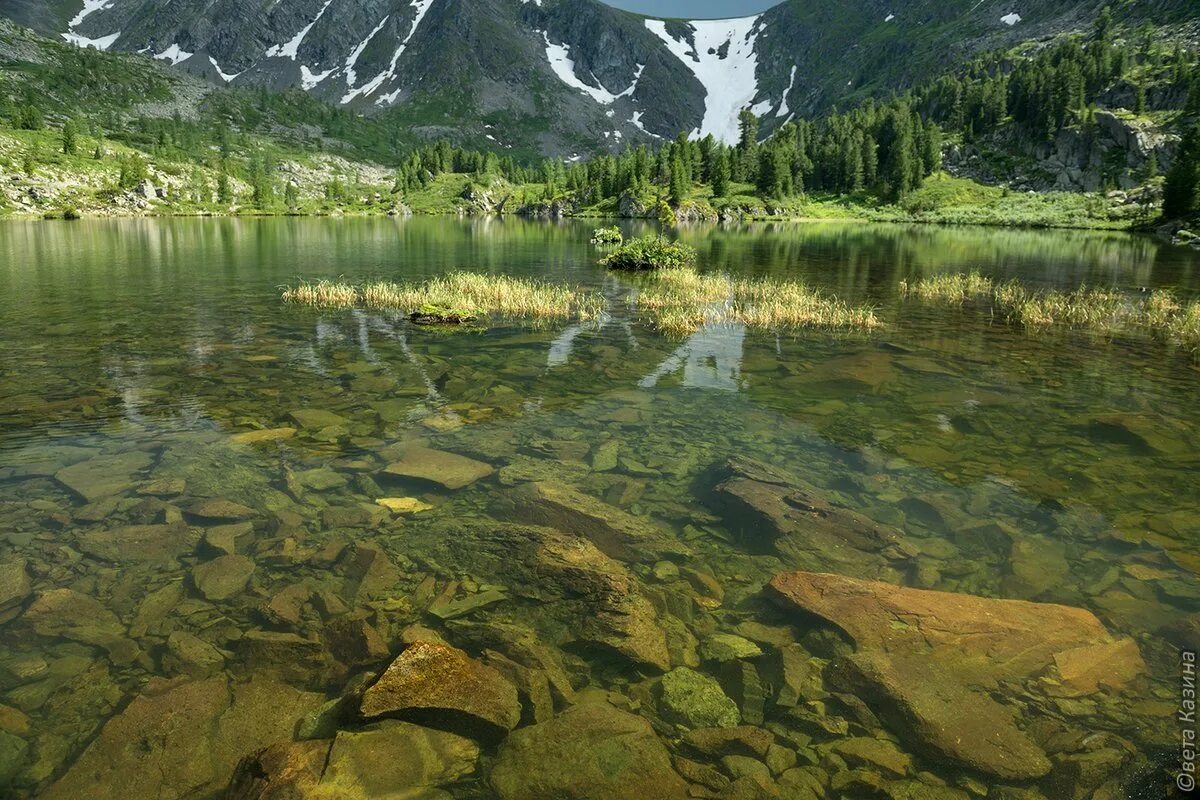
(15, 586)
(223, 577)
(591, 751)
(926, 661)
(104, 476)
(448, 470)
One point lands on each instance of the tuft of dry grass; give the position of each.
(1105, 311)
(949, 288)
(468, 294)
(679, 300)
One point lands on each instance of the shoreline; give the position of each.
(1154, 229)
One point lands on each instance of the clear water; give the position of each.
(144, 347)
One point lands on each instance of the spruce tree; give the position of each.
(678, 181)
(70, 138)
(1181, 191)
(720, 174)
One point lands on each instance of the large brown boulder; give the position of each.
(590, 752)
(442, 686)
(930, 659)
(774, 512)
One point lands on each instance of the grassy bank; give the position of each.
(1104, 311)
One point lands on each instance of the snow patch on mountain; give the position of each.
(366, 90)
(1011, 19)
(783, 104)
(225, 76)
(722, 58)
(291, 48)
(356, 53)
(101, 43)
(559, 56)
(88, 7)
(309, 79)
(175, 54)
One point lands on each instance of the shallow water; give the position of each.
(137, 355)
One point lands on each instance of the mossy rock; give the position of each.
(696, 700)
(441, 315)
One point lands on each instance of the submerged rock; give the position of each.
(15, 586)
(591, 751)
(104, 476)
(443, 686)
(448, 470)
(317, 418)
(138, 543)
(924, 661)
(390, 759)
(591, 596)
(181, 739)
(696, 700)
(618, 534)
(68, 614)
(221, 510)
(775, 512)
(223, 577)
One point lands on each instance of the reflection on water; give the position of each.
(221, 517)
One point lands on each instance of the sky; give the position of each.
(695, 9)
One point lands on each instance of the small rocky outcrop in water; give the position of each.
(592, 751)
(441, 685)
(924, 661)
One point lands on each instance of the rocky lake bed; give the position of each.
(256, 551)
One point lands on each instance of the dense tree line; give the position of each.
(1056, 86)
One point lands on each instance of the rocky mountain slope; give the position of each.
(566, 75)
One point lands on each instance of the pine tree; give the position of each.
(30, 118)
(678, 181)
(720, 174)
(70, 138)
(1181, 191)
(747, 130)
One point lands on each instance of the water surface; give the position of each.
(138, 355)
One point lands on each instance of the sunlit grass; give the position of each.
(678, 301)
(1158, 313)
(949, 288)
(467, 294)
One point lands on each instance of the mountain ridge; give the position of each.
(568, 76)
